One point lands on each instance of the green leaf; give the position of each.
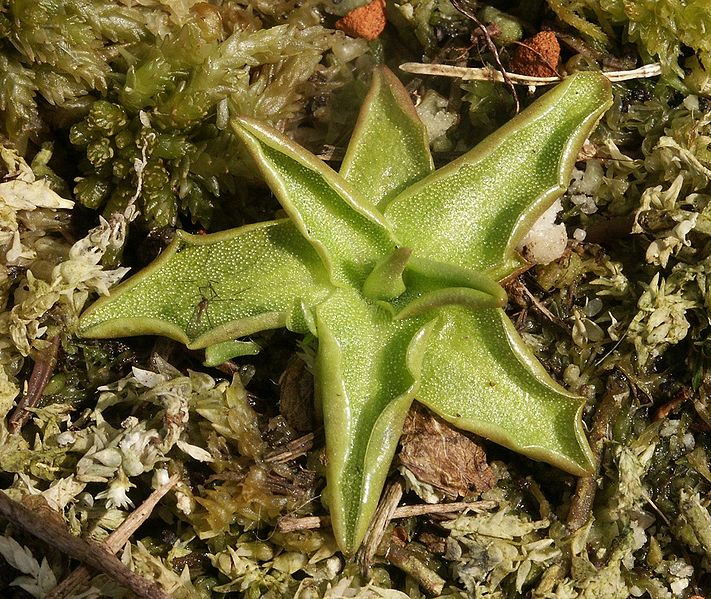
(479, 375)
(474, 211)
(389, 149)
(206, 289)
(347, 231)
(473, 299)
(226, 350)
(385, 281)
(367, 373)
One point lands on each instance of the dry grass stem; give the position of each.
(289, 524)
(92, 554)
(292, 450)
(423, 509)
(492, 74)
(114, 542)
(374, 537)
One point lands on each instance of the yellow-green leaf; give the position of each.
(206, 289)
(473, 211)
(347, 231)
(389, 149)
(479, 375)
(367, 373)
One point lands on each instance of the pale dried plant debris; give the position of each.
(492, 74)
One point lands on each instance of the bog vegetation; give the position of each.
(116, 130)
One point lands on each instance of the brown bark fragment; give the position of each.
(366, 21)
(442, 456)
(537, 56)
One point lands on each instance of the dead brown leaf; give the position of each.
(442, 456)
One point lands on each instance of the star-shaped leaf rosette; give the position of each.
(394, 267)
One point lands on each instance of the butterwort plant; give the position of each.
(394, 267)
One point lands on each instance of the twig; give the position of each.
(491, 74)
(492, 48)
(291, 450)
(580, 47)
(92, 554)
(41, 373)
(404, 559)
(539, 307)
(115, 541)
(582, 500)
(408, 511)
(374, 536)
(289, 524)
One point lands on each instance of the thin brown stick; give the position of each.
(374, 536)
(492, 48)
(289, 524)
(115, 541)
(582, 500)
(406, 561)
(580, 47)
(41, 373)
(423, 509)
(92, 554)
(292, 450)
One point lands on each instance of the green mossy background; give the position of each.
(97, 97)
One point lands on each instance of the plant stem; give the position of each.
(115, 541)
(92, 554)
(582, 501)
(41, 373)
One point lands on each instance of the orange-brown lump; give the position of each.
(537, 56)
(366, 21)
